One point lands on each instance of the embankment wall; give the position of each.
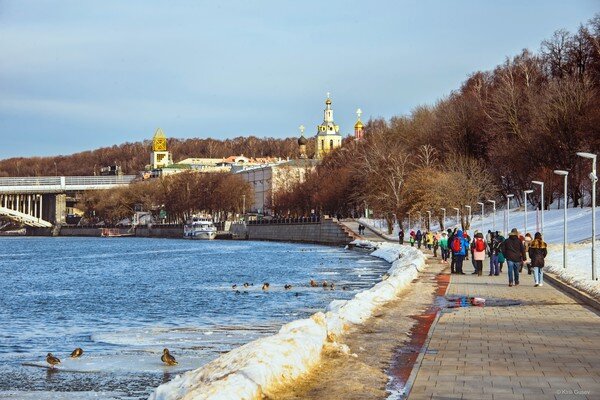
(325, 232)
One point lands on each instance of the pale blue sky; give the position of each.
(77, 75)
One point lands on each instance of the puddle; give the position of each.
(467, 301)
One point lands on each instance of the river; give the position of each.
(125, 299)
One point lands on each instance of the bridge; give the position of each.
(41, 201)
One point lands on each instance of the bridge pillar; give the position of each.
(54, 208)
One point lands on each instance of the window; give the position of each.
(331, 144)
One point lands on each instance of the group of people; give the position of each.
(517, 251)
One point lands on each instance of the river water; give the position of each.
(125, 299)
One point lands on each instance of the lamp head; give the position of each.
(586, 155)
(561, 172)
(538, 183)
(510, 195)
(443, 209)
(528, 191)
(480, 203)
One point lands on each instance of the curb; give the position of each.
(570, 290)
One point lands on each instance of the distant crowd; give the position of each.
(517, 251)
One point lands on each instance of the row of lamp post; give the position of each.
(593, 177)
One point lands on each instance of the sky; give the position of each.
(78, 75)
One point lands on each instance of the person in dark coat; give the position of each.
(419, 238)
(537, 253)
(514, 252)
(401, 236)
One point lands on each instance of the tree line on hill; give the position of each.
(494, 135)
(133, 157)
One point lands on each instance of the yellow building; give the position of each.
(328, 133)
(160, 157)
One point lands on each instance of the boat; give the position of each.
(114, 232)
(200, 228)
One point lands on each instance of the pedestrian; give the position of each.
(537, 253)
(488, 238)
(479, 249)
(460, 247)
(451, 235)
(411, 238)
(527, 242)
(429, 239)
(401, 236)
(497, 240)
(443, 242)
(419, 238)
(514, 251)
(468, 238)
(436, 245)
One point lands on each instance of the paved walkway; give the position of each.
(548, 347)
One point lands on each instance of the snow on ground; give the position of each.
(579, 223)
(247, 372)
(578, 272)
(48, 395)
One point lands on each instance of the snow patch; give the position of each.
(579, 266)
(252, 370)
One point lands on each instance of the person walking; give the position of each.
(419, 238)
(451, 235)
(495, 254)
(443, 242)
(479, 249)
(460, 247)
(514, 251)
(411, 238)
(401, 236)
(537, 253)
(429, 239)
(527, 242)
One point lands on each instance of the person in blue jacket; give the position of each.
(459, 247)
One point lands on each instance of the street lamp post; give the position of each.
(420, 220)
(457, 215)
(506, 228)
(565, 174)
(482, 212)
(525, 193)
(443, 218)
(541, 184)
(469, 218)
(429, 221)
(408, 221)
(244, 206)
(494, 214)
(594, 178)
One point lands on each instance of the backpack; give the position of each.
(456, 244)
(479, 245)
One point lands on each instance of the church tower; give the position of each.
(358, 127)
(160, 157)
(302, 143)
(328, 136)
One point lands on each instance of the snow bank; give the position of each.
(250, 371)
(579, 266)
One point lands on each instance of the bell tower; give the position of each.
(358, 127)
(328, 136)
(160, 157)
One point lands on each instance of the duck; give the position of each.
(76, 353)
(332, 286)
(324, 283)
(287, 287)
(313, 283)
(246, 284)
(167, 358)
(50, 359)
(344, 287)
(265, 286)
(233, 286)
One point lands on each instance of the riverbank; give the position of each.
(378, 366)
(267, 365)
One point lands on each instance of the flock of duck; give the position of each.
(313, 283)
(166, 357)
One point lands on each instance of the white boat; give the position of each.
(200, 228)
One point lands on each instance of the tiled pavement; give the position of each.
(548, 347)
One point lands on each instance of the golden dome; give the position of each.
(358, 125)
(328, 101)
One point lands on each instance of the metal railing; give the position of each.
(62, 183)
(299, 220)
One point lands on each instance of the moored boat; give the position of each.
(200, 228)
